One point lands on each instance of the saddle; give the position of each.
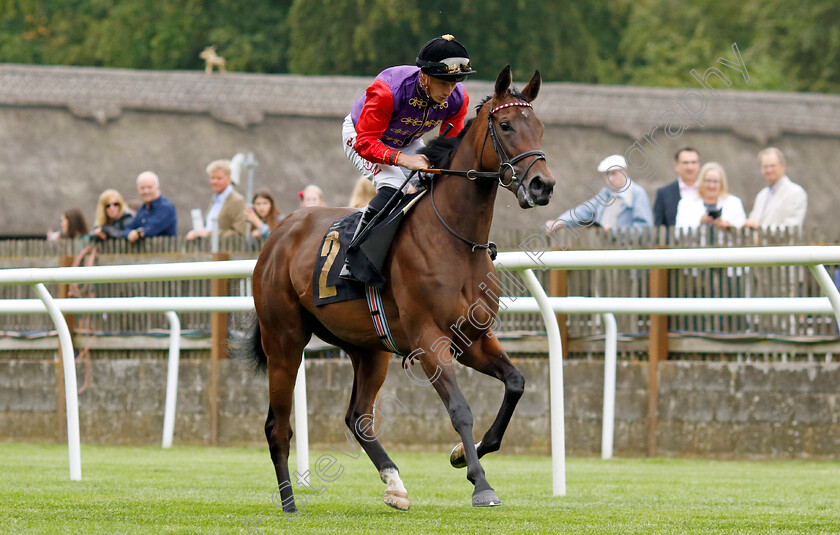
(366, 260)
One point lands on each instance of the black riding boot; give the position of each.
(374, 207)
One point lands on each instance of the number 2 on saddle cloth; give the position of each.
(365, 261)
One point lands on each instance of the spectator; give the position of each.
(375, 136)
(311, 195)
(73, 225)
(112, 216)
(782, 203)
(264, 216)
(227, 206)
(621, 203)
(686, 164)
(363, 192)
(712, 205)
(156, 216)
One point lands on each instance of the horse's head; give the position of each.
(516, 135)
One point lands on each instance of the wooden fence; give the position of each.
(790, 335)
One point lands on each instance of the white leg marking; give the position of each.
(391, 477)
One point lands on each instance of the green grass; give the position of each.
(217, 490)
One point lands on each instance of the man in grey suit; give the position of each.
(782, 203)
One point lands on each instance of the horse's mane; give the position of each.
(440, 150)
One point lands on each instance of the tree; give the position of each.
(804, 40)
(785, 45)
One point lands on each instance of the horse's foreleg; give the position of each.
(366, 422)
(489, 358)
(442, 375)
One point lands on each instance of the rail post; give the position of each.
(218, 336)
(60, 398)
(657, 350)
(558, 280)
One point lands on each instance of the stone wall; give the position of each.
(705, 409)
(68, 133)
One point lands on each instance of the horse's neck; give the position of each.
(466, 205)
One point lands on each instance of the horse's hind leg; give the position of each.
(366, 421)
(284, 354)
(488, 357)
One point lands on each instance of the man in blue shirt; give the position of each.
(620, 204)
(156, 217)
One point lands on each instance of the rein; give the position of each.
(490, 246)
(507, 163)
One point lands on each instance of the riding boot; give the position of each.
(371, 210)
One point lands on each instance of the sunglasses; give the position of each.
(110, 204)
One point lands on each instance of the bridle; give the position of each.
(506, 163)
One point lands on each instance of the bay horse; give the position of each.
(434, 276)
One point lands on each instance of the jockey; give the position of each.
(382, 133)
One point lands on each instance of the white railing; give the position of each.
(525, 262)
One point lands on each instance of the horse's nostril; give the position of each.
(540, 190)
(536, 186)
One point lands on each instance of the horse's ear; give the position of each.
(533, 88)
(503, 82)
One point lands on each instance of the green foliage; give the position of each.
(803, 38)
(144, 34)
(786, 45)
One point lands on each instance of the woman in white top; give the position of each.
(713, 205)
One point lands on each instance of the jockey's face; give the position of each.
(438, 90)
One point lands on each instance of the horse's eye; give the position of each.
(505, 126)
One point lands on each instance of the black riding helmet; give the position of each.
(445, 58)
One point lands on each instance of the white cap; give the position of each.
(611, 163)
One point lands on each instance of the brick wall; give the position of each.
(706, 409)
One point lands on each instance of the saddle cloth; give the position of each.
(365, 261)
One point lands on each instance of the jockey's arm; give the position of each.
(372, 123)
(457, 120)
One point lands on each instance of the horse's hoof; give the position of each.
(397, 499)
(457, 458)
(485, 498)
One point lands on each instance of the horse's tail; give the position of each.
(246, 344)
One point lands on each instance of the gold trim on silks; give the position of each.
(394, 141)
(400, 132)
(418, 102)
(442, 106)
(411, 121)
(432, 123)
